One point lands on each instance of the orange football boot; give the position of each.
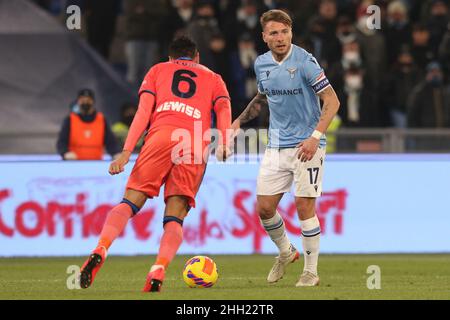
(155, 279)
(92, 266)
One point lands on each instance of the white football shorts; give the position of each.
(280, 167)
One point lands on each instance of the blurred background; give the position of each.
(393, 83)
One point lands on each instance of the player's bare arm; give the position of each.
(329, 110)
(251, 112)
(308, 148)
(223, 113)
(137, 128)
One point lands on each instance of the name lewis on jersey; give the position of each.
(180, 107)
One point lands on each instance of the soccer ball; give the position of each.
(200, 272)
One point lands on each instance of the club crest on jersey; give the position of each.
(291, 72)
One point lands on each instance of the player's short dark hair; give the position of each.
(277, 16)
(182, 47)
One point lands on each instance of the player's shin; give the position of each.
(115, 223)
(311, 243)
(170, 241)
(277, 232)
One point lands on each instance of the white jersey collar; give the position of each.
(285, 58)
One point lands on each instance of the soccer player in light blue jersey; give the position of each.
(291, 82)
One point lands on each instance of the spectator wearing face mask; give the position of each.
(373, 48)
(322, 31)
(420, 47)
(399, 83)
(354, 89)
(220, 56)
(248, 22)
(180, 14)
(243, 75)
(359, 100)
(345, 31)
(351, 56)
(85, 134)
(398, 31)
(429, 102)
(201, 29)
(436, 20)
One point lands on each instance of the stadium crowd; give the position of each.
(394, 76)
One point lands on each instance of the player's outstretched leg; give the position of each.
(311, 244)
(170, 242)
(115, 223)
(288, 253)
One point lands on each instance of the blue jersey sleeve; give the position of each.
(315, 76)
(258, 78)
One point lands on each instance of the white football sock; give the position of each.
(277, 232)
(311, 243)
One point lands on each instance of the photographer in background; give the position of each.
(85, 134)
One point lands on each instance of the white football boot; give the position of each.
(308, 279)
(281, 263)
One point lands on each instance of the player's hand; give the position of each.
(70, 156)
(118, 165)
(223, 152)
(307, 149)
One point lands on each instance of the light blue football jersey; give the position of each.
(291, 87)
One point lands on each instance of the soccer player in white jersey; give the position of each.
(291, 82)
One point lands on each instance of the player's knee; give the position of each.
(177, 206)
(168, 219)
(136, 197)
(306, 207)
(133, 206)
(265, 211)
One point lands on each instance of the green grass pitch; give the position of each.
(240, 277)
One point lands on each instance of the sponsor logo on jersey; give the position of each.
(283, 92)
(180, 107)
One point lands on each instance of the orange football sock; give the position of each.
(170, 242)
(115, 223)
